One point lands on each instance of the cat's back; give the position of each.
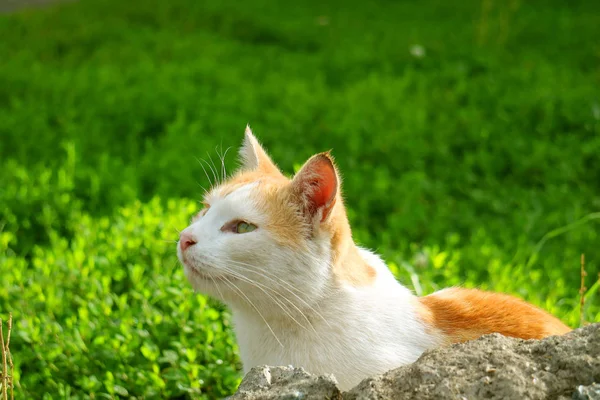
(466, 314)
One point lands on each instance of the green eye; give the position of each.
(244, 227)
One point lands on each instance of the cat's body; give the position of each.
(280, 253)
(359, 331)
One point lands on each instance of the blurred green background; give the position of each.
(468, 135)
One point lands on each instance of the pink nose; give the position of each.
(186, 240)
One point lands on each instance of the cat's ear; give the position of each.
(316, 184)
(253, 156)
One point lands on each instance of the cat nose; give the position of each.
(186, 240)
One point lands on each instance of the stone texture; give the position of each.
(491, 367)
(587, 392)
(286, 383)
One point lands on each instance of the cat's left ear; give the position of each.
(316, 184)
(254, 156)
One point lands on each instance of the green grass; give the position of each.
(476, 164)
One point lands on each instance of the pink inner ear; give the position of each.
(322, 185)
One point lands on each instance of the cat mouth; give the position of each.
(195, 272)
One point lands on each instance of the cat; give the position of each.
(279, 252)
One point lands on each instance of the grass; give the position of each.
(467, 134)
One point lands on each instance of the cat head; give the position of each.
(263, 237)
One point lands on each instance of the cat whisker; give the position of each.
(262, 287)
(218, 290)
(222, 158)
(203, 189)
(222, 162)
(205, 172)
(282, 306)
(235, 288)
(213, 168)
(280, 282)
(175, 266)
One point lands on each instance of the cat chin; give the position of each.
(193, 273)
(205, 282)
(201, 283)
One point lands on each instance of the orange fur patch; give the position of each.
(348, 265)
(466, 314)
(285, 221)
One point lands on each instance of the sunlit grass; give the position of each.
(467, 135)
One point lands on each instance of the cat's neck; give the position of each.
(348, 262)
(380, 315)
(359, 276)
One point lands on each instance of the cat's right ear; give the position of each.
(317, 185)
(253, 156)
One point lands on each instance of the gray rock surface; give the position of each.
(587, 392)
(286, 383)
(491, 367)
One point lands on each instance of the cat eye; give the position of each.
(244, 227)
(238, 226)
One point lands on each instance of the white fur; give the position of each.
(320, 324)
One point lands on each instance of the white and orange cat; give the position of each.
(280, 253)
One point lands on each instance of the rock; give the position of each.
(491, 367)
(494, 367)
(286, 383)
(591, 392)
